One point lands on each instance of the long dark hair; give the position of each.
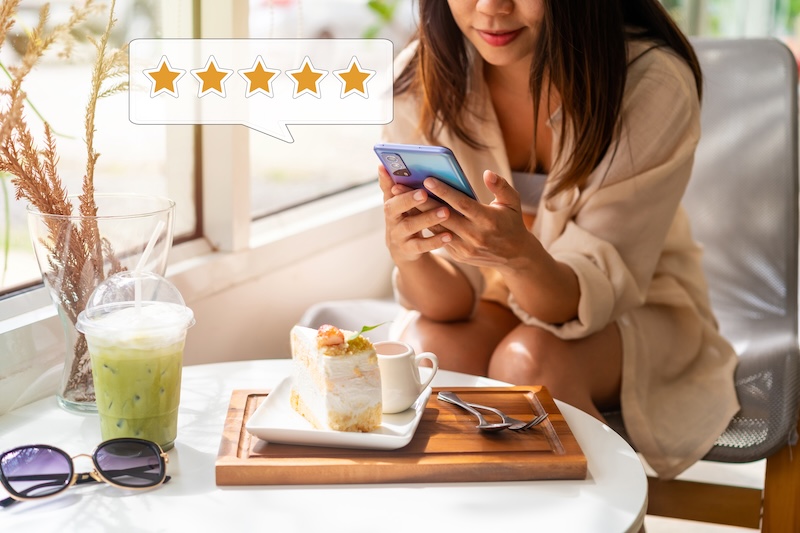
(581, 51)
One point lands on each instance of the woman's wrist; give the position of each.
(542, 286)
(528, 261)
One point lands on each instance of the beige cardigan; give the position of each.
(628, 240)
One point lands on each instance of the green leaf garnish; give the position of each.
(364, 329)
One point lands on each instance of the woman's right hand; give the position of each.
(407, 212)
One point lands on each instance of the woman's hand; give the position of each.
(407, 212)
(491, 235)
(428, 283)
(473, 233)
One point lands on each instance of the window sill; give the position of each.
(276, 242)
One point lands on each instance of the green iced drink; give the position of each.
(138, 389)
(135, 326)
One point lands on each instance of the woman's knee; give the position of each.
(462, 346)
(581, 371)
(528, 354)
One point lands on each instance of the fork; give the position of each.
(452, 397)
(516, 424)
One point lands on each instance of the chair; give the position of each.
(743, 204)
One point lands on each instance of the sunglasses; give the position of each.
(39, 471)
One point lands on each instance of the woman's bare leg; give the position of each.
(585, 373)
(463, 346)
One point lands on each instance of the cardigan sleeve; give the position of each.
(617, 227)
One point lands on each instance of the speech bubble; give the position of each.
(263, 84)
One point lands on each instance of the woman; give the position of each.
(576, 122)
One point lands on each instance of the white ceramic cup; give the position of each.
(399, 367)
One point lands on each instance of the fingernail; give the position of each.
(441, 213)
(419, 196)
(492, 177)
(429, 183)
(446, 238)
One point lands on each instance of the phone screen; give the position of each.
(410, 164)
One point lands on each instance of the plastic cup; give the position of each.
(135, 326)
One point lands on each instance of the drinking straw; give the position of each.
(137, 283)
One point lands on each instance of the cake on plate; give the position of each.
(336, 382)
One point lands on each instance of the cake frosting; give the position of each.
(336, 382)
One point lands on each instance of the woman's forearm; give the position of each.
(543, 287)
(436, 288)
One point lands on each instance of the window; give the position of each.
(323, 159)
(737, 18)
(124, 165)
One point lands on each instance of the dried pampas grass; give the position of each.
(34, 168)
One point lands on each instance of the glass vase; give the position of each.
(76, 252)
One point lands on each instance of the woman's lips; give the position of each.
(499, 38)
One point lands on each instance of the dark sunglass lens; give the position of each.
(36, 471)
(130, 463)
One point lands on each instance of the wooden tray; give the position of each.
(446, 447)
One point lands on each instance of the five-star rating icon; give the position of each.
(212, 78)
(266, 85)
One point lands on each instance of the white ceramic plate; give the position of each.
(276, 421)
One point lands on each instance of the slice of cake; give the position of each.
(337, 384)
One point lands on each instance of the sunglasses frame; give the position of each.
(79, 478)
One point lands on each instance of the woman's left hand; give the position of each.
(491, 235)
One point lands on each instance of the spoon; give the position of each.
(452, 397)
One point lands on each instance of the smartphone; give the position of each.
(410, 164)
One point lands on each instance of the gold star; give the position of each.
(211, 78)
(164, 78)
(354, 78)
(306, 79)
(259, 78)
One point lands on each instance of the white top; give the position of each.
(529, 185)
(612, 499)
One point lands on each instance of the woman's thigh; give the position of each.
(463, 346)
(584, 372)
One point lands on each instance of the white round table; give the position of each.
(613, 498)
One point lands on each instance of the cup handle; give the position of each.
(434, 361)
